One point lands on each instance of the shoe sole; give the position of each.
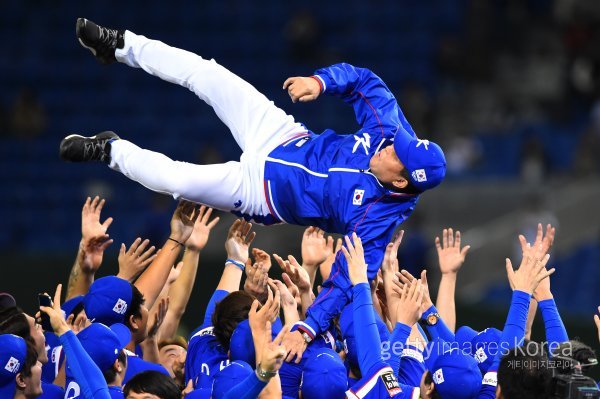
(79, 38)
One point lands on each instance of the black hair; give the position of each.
(76, 310)
(155, 383)
(428, 380)
(578, 351)
(229, 312)
(410, 187)
(135, 307)
(525, 374)
(13, 321)
(111, 373)
(30, 359)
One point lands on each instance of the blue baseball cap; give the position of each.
(241, 345)
(229, 377)
(423, 159)
(13, 352)
(108, 300)
(347, 329)
(324, 376)
(463, 337)
(485, 346)
(71, 304)
(104, 344)
(456, 375)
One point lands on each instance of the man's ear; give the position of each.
(20, 381)
(117, 366)
(498, 392)
(400, 183)
(429, 388)
(133, 322)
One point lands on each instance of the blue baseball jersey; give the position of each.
(51, 391)
(55, 358)
(116, 393)
(380, 383)
(324, 180)
(205, 358)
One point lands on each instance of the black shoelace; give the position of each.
(94, 150)
(108, 37)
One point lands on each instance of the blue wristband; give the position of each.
(236, 263)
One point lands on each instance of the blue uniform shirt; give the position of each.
(136, 365)
(205, 358)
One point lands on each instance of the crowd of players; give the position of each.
(116, 336)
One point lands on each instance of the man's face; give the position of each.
(386, 165)
(172, 357)
(35, 330)
(33, 383)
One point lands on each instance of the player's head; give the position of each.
(483, 345)
(151, 384)
(20, 369)
(172, 353)
(524, 374)
(409, 165)
(324, 376)
(230, 376)
(450, 374)
(14, 321)
(113, 300)
(105, 347)
(578, 351)
(229, 312)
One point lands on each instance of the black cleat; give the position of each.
(76, 148)
(102, 42)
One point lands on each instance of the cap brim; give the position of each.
(402, 142)
(123, 334)
(433, 351)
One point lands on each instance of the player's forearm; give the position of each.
(231, 278)
(79, 280)
(150, 350)
(445, 302)
(180, 292)
(530, 318)
(312, 272)
(306, 300)
(290, 314)
(153, 279)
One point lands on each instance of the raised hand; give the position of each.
(183, 220)
(325, 267)
(94, 239)
(288, 300)
(545, 240)
(315, 247)
(238, 240)
(157, 318)
(256, 281)
(272, 352)
(302, 89)
(199, 237)
(59, 324)
(134, 260)
(405, 278)
(355, 256)
(390, 258)
(296, 272)
(530, 273)
(451, 256)
(263, 258)
(410, 304)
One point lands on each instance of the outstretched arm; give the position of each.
(374, 104)
(94, 241)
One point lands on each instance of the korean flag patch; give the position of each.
(419, 175)
(120, 307)
(358, 196)
(12, 365)
(391, 383)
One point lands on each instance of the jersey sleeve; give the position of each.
(555, 329)
(249, 388)
(86, 373)
(368, 343)
(374, 104)
(217, 296)
(440, 329)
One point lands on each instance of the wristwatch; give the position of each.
(306, 337)
(432, 318)
(263, 374)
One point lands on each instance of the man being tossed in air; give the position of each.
(367, 182)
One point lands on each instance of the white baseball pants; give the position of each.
(257, 125)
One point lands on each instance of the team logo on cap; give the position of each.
(419, 175)
(120, 307)
(438, 376)
(480, 355)
(358, 196)
(12, 365)
(424, 142)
